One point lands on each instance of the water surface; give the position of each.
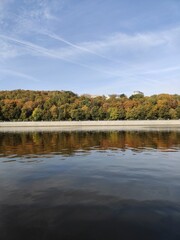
(90, 185)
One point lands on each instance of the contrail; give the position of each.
(84, 49)
(19, 74)
(53, 54)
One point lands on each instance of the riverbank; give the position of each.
(89, 125)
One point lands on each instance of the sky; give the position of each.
(90, 46)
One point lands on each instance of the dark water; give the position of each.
(90, 185)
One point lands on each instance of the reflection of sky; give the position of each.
(100, 177)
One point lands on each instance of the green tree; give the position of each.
(37, 114)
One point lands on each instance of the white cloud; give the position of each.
(116, 48)
(31, 48)
(24, 16)
(138, 41)
(38, 9)
(35, 50)
(112, 54)
(151, 50)
(75, 48)
(121, 43)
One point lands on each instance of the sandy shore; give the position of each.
(90, 125)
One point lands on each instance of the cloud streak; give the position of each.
(165, 40)
(55, 54)
(119, 45)
(18, 74)
(81, 47)
(43, 32)
(139, 41)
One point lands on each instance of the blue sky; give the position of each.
(90, 46)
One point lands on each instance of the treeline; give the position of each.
(26, 105)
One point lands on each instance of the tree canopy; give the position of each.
(26, 105)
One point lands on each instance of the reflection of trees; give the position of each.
(69, 142)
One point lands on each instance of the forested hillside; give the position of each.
(25, 105)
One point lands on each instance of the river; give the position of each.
(90, 185)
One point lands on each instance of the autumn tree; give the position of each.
(26, 105)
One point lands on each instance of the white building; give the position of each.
(138, 92)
